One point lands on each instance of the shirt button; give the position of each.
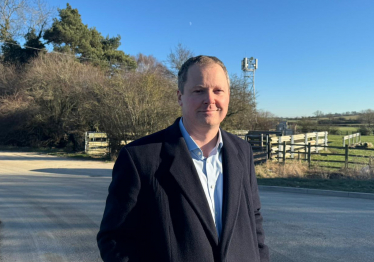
(211, 187)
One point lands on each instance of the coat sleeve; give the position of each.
(117, 236)
(263, 249)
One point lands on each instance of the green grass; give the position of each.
(363, 186)
(354, 117)
(340, 179)
(345, 129)
(337, 140)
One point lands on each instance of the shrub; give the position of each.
(307, 125)
(364, 130)
(333, 130)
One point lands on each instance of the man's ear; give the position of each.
(179, 94)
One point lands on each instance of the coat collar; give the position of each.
(184, 172)
(232, 164)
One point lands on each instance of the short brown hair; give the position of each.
(200, 60)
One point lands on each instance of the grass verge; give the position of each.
(297, 174)
(324, 184)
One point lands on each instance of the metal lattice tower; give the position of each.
(249, 66)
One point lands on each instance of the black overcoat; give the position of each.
(156, 208)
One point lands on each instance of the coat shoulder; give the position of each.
(239, 143)
(147, 147)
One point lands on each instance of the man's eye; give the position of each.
(197, 91)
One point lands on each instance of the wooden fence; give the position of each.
(309, 152)
(96, 143)
(239, 133)
(352, 139)
(264, 145)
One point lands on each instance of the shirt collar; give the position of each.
(191, 144)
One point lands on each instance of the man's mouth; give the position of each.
(210, 110)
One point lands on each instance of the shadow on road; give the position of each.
(38, 156)
(77, 171)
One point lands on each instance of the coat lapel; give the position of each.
(185, 174)
(232, 183)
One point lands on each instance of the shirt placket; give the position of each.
(211, 179)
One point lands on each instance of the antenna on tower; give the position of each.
(249, 67)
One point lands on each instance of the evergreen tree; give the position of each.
(13, 53)
(68, 33)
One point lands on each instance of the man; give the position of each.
(189, 192)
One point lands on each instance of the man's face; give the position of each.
(206, 96)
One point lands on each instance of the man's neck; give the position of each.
(205, 138)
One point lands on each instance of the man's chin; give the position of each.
(210, 122)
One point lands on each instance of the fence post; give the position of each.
(284, 152)
(292, 146)
(85, 142)
(309, 154)
(317, 142)
(279, 148)
(306, 143)
(346, 156)
(326, 140)
(269, 148)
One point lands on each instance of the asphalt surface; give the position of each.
(301, 227)
(51, 208)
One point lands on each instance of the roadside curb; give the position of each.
(316, 192)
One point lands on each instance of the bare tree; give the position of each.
(151, 65)
(265, 120)
(367, 117)
(178, 56)
(242, 109)
(136, 103)
(61, 89)
(9, 80)
(318, 114)
(15, 108)
(17, 17)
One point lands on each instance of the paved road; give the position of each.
(302, 227)
(51, 208)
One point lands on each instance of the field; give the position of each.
(345, 130)
(353, 155)
(359, 177)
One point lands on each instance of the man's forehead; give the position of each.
(205, 65)
(202, 68)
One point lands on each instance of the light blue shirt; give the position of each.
(209, 170)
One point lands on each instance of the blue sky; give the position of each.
(313, 55)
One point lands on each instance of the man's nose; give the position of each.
(209, 98)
